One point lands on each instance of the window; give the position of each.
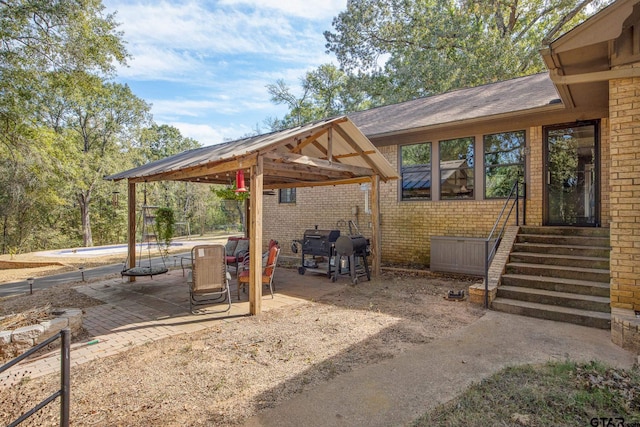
(456, 168)
(503, 163)
(287, 195)
(416, 171)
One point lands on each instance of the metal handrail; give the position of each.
(65, 377)
(489, 254)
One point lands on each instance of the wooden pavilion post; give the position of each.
(255, 238)
(131, 235)
(247, 218)
(376, 233)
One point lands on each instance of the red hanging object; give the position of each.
(240, 187)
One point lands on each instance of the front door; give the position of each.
(571, 191)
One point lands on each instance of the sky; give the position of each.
(204, 65)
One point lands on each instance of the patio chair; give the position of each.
(236, 249)
(267, 272)
(208, 279)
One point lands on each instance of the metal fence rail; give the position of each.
(65, 377)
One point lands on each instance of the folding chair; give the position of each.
(209, 279)
(267, 272)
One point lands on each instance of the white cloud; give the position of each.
(298, 8)
(187, 41)
(205, 134)
(205, 65)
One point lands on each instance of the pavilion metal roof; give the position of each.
(320, 153)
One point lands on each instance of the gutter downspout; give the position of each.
(599, 76)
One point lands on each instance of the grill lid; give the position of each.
(328, 235)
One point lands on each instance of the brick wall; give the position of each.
(605, 166)
(535, 178)
(406, 226)
(624, 116)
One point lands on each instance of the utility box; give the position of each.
(452, 254)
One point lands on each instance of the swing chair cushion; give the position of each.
(241, 248)
(230, 247)
(144, 271)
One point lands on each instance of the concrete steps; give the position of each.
(558, 273)
(594, 319)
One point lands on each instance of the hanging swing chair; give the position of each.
(147, 238)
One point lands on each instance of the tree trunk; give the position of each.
(239, 208)
(5, 234)
(83, 201)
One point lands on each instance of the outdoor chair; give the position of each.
(236, 249)
(208, 279)
(267, 272)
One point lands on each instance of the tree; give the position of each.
(45, 39)
(405, 49)
(101, 120)
(48, 48)
(161, 141)
(326, 92)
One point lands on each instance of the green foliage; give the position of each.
(229, 193)
(557, 394)
(165, 225)
(416, 154)
(404, 49)
(232, 203)
(326, 92)
(392, 51)
(66, 125)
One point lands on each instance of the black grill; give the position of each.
(319, 242)
(354, 249)
(317, 247)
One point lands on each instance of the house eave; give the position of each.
(470, 122)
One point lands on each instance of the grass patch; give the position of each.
(554, 394)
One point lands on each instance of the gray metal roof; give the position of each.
(519, 94)
(291, 158)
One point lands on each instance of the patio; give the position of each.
(150, 309)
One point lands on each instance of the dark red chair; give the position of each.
(236, 249)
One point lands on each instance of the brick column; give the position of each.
(624, 184)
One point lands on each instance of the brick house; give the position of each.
(571, 134)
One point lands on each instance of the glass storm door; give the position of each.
(571, 196)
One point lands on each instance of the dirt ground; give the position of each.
(228, 373)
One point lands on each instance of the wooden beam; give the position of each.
(329, 151)
(255, 239)
(344, 156)
(202, 170)
(131, 234)
(298, 148)
(295, 173)
(314, 162)
(321, 148)
(358, 180)
(357, 148)
(376, 229)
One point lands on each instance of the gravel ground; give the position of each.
(228, 373)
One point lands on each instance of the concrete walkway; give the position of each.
(397, 391)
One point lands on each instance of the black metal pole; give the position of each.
(524, 203)
(65, 373)
(517, 203)
(486, 273)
